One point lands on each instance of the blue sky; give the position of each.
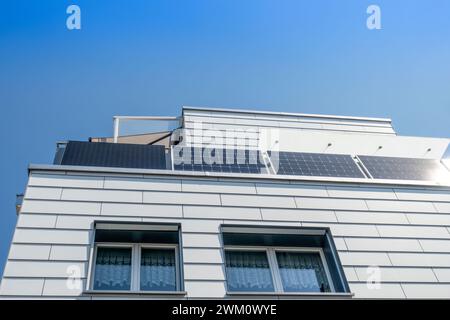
(149, 57)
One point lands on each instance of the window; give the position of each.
(134, 258)
(281, 260)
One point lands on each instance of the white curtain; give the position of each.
(113, 269)
(302, 272)
(158, 270)
(248, 271)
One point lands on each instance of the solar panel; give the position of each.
(218, 160)
(316, 164)
(403, 168)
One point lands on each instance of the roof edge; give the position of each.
(215, 175)
(306, 115)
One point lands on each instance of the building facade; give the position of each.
(237, 204)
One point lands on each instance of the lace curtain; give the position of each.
(158, 270)
(302, 272)
(113, 269)
(248, 271)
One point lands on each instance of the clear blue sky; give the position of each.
(149, 57)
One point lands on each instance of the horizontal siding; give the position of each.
(206, 186)
(29, 252)
(430, 291)
(60, 288)
(36, 221)
(387, 245)
(403, 231)
(420, 259)
(45, 236)
(142, 184)
(221, 213)
(41, 269)
(399, 275)
(21, 287)
(385, 291)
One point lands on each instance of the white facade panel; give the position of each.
(44, 236)
(205, 289)
(257, 201)
(150, 184)
(387, 245)
(435, 245)
(41, 269)
(201, 240)
(203, 272)
(181, 198)
(398, 274)
(209, 186)
(36, 220)
(70, 181)
(402, 206)
(200, 255)
(21, 287)
(423, 291)
(141, 210)
(61, 207)
(102, 195)
(422, 195)
(208, 212)
(361, 193)
(43, 193)
(386, 291)
(371, 217)
(29, 252)
(298, 215)
(69, 253)
(413, 232)
(62, 287)
(331, 204)
(364, 259)
(443, 275)
(425, 219)
(291, 190)
(420, 259)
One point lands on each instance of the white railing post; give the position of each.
(116, 129)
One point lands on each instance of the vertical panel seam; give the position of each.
(43, 286)
(435, 275)
(434, 207)
(401, 288)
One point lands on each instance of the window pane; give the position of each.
(158, 270)
(302, 272)
(112, 269)
(248, 271)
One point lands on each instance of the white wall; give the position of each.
(406, 232)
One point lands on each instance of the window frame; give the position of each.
(136, 249)
(274, 266)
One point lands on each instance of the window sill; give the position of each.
(311, 295)
(135, 293)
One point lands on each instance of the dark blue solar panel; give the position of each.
(218, 160)
(316, 164)
(403, 168)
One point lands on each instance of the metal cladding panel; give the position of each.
(100, 154)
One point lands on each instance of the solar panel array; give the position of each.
(403, 168)
(316, 164)
(307, 164)
(219, 160)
